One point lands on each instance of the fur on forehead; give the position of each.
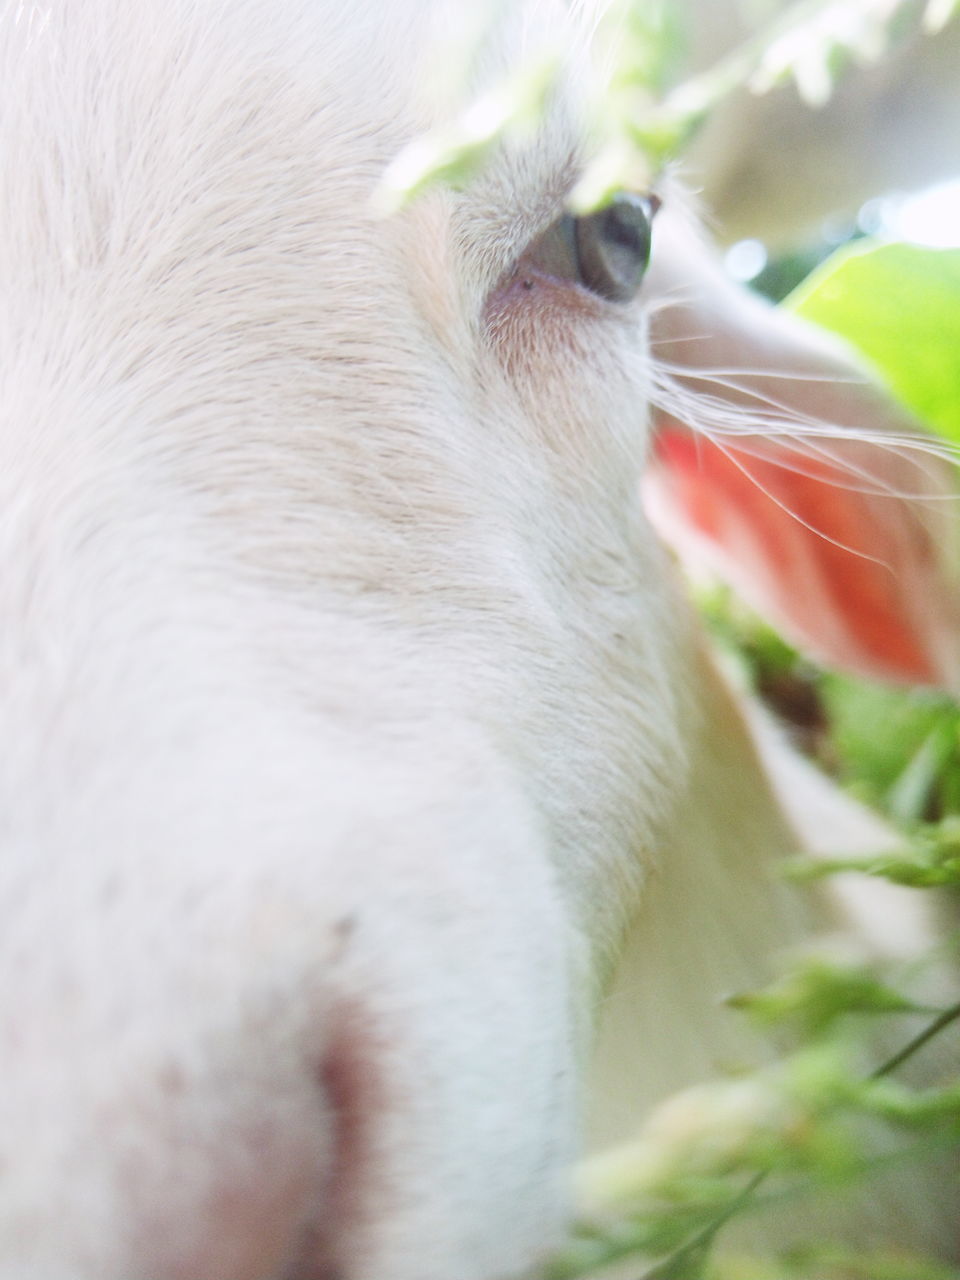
(109, 78)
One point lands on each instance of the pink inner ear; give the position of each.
(844, 568)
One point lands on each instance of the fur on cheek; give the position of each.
(580, 368)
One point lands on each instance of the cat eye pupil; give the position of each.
(626, 223)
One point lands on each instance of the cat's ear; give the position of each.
(780, 463)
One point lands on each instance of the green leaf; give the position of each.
(844, 1264)
(898, 751)
(899, 305)
(818, 991)
(909, 797)
(931, 861)
(453, 153)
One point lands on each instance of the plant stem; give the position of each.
(938, 1024)
(671, 1268)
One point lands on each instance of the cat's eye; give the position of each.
(607, 252)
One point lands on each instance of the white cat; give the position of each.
(355, 726)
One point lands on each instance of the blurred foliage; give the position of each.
(769, 1139)
(899, 304)
(818, 991)
(897, 750)
(931, 860)
(784, 273)
(642, 116)
(454, 152)
(831, 1264)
